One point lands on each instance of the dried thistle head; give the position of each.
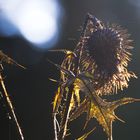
(106, 47)
(105, 54)
(97, 66)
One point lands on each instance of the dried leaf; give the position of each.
(86, 134)
(104, 113)
(8, 60)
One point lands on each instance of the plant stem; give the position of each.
(65, 119)
(10, 107)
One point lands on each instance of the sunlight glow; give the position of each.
(36, 20)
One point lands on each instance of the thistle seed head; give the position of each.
(103, 46)
(106, 55)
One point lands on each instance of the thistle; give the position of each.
(96, 67)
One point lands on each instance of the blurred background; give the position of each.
(28, 29)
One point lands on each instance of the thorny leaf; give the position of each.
(106, 117)
(93, 104)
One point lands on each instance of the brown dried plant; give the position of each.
(96, 67)
(7, 101)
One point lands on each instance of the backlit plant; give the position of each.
(97, 67)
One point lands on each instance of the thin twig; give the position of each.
(10, 107)
(55, 126)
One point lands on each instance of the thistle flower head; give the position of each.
(106, 55)
(104, 52)
(103, 47)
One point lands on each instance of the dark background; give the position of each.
(31, 91)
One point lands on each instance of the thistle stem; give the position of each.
(55, 127)
(65, 119)
(10, 107)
